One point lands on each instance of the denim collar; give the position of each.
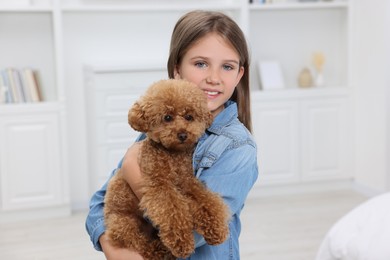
(224, 118)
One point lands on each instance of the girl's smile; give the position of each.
(211, 94)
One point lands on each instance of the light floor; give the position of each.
(277, 227)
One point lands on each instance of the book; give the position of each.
(37, 86)
(32, 83)
(18, 85)
(8, 94)
(2, 90)
(12, 85)
(26, 89)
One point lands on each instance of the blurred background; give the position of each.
(71, 69)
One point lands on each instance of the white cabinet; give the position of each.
(325, 138)
(29, 156)
(31, 170)
(302, 137)
(33, 154)
(276, 131)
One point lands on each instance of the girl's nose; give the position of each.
(213, 78)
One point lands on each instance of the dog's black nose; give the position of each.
(182, 136)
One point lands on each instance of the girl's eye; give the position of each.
(188, 117)
(168, 118)
(228, 67)
(200, 64)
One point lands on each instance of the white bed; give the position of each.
(362, 234)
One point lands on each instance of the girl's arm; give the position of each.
(131, 170)
(232, 176)
(95, 219)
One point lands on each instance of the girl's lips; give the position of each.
(211, 94)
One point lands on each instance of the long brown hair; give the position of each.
(194, 25)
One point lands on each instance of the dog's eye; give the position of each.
(168, 118)
(188, 117)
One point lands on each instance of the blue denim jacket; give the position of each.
(225, 160)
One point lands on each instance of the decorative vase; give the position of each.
(305, 79)
(319, 79)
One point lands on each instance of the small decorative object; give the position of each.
(305, 79)
(270, 75)
(318, 62)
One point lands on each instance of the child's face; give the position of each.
(213, 65)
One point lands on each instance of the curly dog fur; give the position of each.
(174, 115)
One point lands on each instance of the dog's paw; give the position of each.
(183, 250)
(212, 221)
(216, 235)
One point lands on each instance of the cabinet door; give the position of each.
(29, 161)
(275, 127)
(113, 134)
(111, 91)
(325, 139)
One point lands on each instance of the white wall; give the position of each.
(370, 83)
(387, 82)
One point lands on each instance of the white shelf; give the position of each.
(26, 6)
(117, 6)
(17, 108)
(299, 6)
(300, 93)
(28, 9)
(125, 67)
(148, 7)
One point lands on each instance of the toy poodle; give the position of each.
(174, 115)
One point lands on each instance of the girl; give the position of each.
(209, 49)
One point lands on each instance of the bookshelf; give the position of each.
(59, 38)
(292, 124)
(33, 156)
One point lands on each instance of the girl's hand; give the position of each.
(131, 170)
(132, 174)
(114, 253)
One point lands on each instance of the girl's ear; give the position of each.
(137, 119)
(176, 73)
(240, 74)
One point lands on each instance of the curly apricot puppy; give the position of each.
(174, 115)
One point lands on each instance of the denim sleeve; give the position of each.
(232, 176)
(95, 219)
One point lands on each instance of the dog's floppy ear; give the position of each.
(137, 118)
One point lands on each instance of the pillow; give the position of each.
(363, 233)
